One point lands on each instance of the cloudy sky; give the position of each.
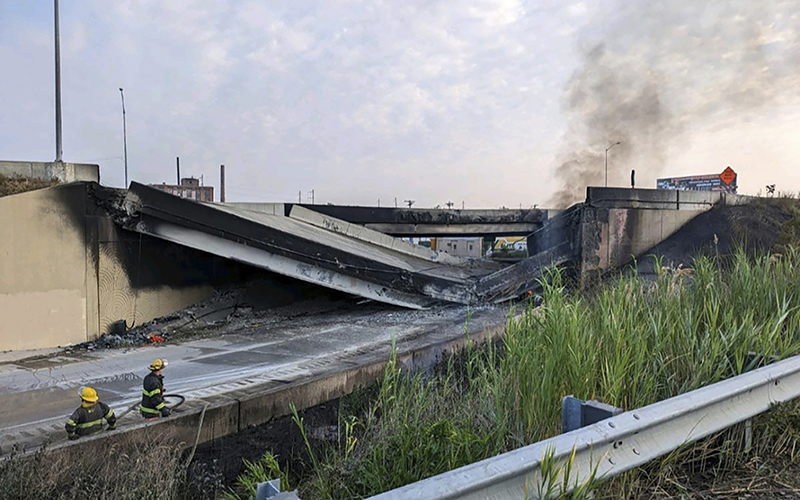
(490, 102)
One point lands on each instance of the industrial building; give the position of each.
(458, 247)
(189, 188)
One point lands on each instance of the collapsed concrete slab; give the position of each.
(305, 251)
(439, 222)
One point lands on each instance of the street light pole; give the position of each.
(611, 146)
(125, 137)
(59, 148)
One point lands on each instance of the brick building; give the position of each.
(190, 188)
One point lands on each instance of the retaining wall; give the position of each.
(618, 225)
(46, 272)
(67, 271)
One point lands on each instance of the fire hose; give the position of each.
(132, 407)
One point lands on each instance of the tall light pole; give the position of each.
(611, 146)
(59, 148)
(125, 136)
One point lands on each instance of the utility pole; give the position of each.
(299, 197)
(178, 167)
(59, 146)
(125, 137)
(449, 204)
(222, 183)
(408, 202)
(611, 146)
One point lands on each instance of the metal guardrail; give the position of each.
(617, 444)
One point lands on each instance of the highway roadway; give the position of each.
(40, 392)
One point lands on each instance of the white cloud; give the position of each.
(496, 13)
(578, 9)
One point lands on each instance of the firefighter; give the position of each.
(88, 419)
(153, 404)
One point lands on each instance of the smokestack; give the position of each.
(222, 183)
(178, 165)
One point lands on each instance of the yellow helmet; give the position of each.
(158, 364)
(88, 394)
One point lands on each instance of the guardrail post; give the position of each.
(576, 413)
(570, 413)
(752, 361)
(272, 489)
(268, 489)
(748, 435)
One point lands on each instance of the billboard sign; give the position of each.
(725, 181)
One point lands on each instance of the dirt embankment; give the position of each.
(767, 225)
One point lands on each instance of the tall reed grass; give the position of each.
(629, 343)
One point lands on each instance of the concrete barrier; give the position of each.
(663, 199)
(64, 172)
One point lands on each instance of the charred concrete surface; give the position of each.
(614, 226)
(67, 271)
(375, 237)
(137, 255)
(141, 254)
(523, 276)
(291, 247)
(245, 378)
(660, 199)
(437, 222)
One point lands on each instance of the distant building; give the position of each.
(190, 189)
(458, 247)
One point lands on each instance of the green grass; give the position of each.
(630, 343)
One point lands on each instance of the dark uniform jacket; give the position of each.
(153, 396)
(88, 420)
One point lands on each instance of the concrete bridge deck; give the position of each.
(416, 222)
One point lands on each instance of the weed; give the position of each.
(17, 184)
